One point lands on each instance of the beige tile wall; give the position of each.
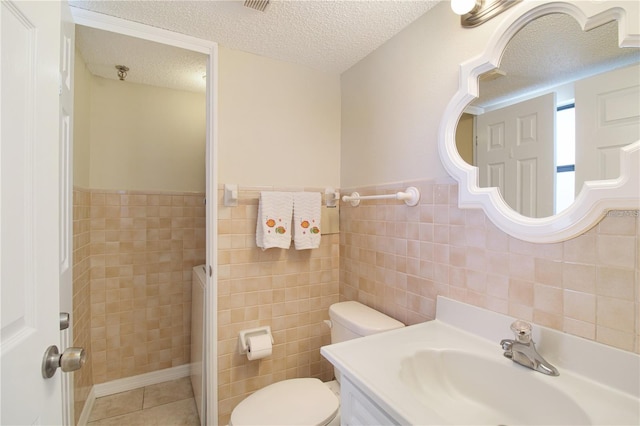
(81, 316)
(289, 290)
(143, 247)
(392, 257)
(398, 259)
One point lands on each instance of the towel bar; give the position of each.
(410, 196)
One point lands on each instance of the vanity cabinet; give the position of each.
(357, 409)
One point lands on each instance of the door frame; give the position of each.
(209, 48)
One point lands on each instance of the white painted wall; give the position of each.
(279, 126)
(136, 137)
(146, 138)
(392, 100)
(279, 123)
(81, 127)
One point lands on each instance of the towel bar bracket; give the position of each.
(230, 195)
(331, 197)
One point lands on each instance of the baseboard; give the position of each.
(130, 383)
(88, 406)
(135, 382)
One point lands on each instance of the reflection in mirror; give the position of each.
(553, 115)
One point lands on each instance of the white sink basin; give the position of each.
(470, 389)
(451, 371)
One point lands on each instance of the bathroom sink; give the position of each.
(466, 388)
(451, 371)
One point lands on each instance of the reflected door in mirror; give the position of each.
(515, 152)
(553, 55)
(545, 48)
(607, 118)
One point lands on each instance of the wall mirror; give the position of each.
(553, 67)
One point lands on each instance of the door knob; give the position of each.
(71, 359)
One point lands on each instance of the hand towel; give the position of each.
(274, 220)
(306, 220)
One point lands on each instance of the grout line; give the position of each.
(144, 393)
(167, 403)
(141, 409)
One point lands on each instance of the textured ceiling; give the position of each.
(331, 36)
(554, 50)
(149, 63)
(326, 35)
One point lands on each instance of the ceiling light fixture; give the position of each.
(122, 72)
(476, 12)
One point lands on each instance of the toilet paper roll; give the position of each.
(258, 346)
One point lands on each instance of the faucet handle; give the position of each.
(522, 331)
(506, 344)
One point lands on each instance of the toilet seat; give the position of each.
(304, 401)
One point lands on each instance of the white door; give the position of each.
(29, 210)
(515, 153)
(607, 118)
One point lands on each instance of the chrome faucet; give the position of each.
(523, 350)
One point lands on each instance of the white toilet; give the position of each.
(309, 401)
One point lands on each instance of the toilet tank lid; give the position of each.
(361, 319)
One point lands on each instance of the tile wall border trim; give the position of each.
(443, 180)
(136, 191)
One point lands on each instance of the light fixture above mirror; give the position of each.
(597, 196)
(476, 12)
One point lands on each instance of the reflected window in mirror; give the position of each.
(565, 156)
(509, 131)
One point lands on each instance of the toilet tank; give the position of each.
(350, 320)
(353, 319)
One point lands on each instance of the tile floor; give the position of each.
(164, 404)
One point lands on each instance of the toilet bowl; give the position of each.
(308, 401)
(304, 401)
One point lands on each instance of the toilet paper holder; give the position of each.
(245, 334)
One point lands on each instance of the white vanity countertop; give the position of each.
(603, 381)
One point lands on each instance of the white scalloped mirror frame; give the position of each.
(596, 197)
